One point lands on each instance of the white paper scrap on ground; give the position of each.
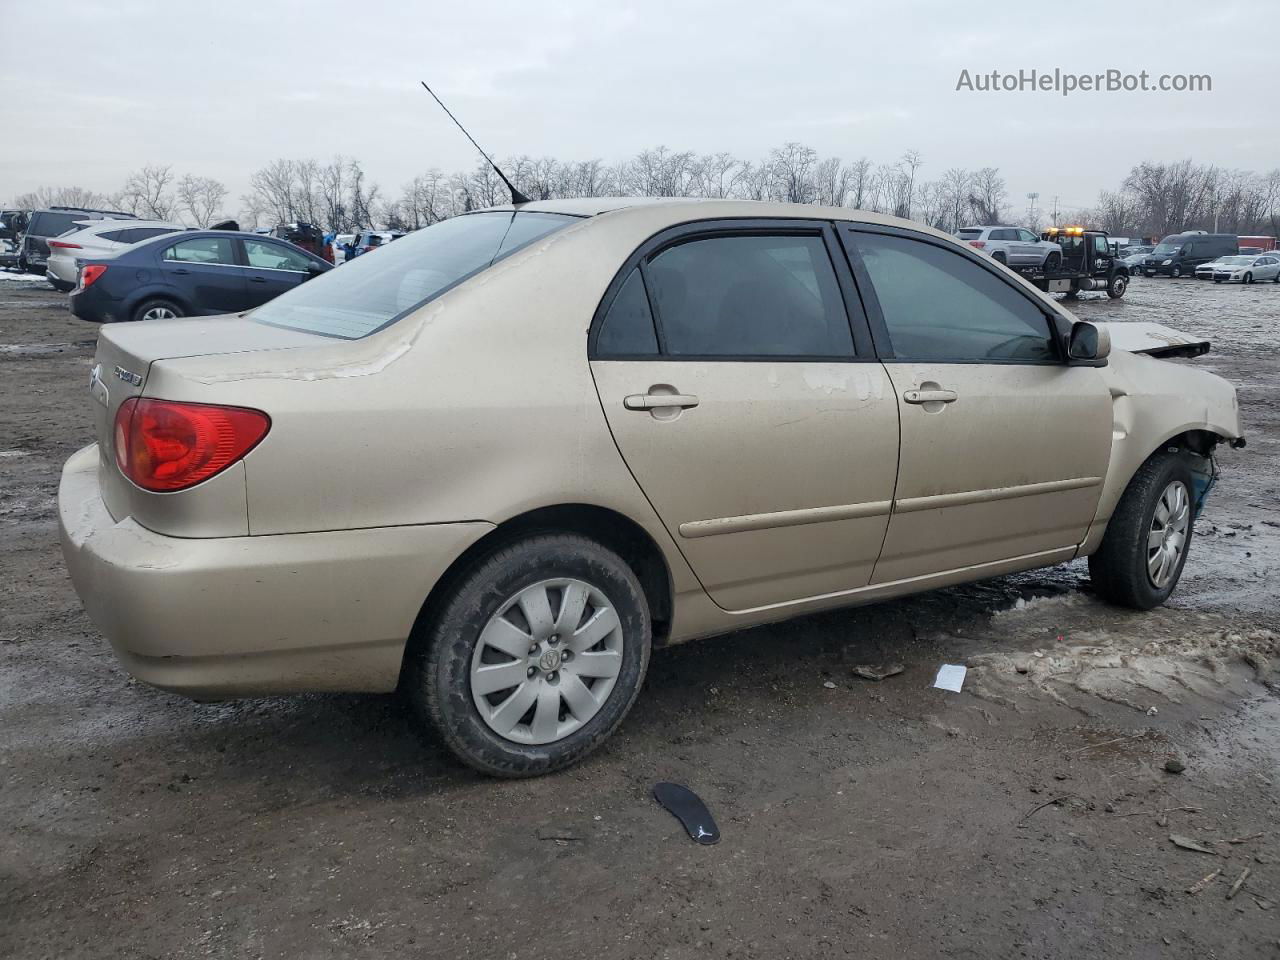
(950, 677)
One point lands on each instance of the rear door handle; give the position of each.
(655, 401)
(258, 279)
(181, 272)
(930, 396)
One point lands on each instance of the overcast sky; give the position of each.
(93, 90)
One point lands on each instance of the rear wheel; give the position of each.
(534, 658)
(999, 257)
(157, 309)
(1148, 536)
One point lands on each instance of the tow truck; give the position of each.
(1089, 262)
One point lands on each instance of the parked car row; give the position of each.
(1243, 269)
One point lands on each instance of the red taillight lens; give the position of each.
(91, 273)
(63, 245)
(978, 243)
(163, 445)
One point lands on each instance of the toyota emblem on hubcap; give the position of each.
(550, 660)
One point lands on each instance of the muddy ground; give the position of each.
(1028, 816)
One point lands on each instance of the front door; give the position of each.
(273, 268)
(766, 440)
(1004, 446)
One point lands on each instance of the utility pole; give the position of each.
(1031, 208)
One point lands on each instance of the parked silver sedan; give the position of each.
(98, 239)
(1246, 269)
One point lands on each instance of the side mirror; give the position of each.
(1088, 344)
(314, 270)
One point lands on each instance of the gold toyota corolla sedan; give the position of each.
(495, 463)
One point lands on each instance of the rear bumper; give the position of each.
(241, 616)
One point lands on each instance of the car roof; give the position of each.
(683, 209)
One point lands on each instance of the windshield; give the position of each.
(1236, 261)
(377, 289)
(1165, 247)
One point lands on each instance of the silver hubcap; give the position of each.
(546, 661)
(1167, 538)
(159, 313)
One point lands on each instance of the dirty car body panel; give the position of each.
(749, 390)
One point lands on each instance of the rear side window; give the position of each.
(117, 236)
(749, 296)
(202, 250)
(379, 288)
(940, 306)
(138, 234)
(628, 326)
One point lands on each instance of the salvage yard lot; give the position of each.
(1029, 815)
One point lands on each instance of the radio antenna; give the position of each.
(516, 196)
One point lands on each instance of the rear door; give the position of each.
(273, 268)
(1004, 446)
(207, 274)
(751, 412)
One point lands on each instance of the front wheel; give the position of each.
(1148, 536)
(1117, 285)
(1176, 272)
(1000, 258)
(1248, 277)
(534, 658)
(1053, 261)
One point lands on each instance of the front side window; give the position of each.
(749, 296)
(202, 250)
(1027, 236)
(1101, 246)
(370, 292)
(940, 306)
(272, 256)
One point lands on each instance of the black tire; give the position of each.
(1216, 280)
(1248, 277)
(1176, 272)
(438, 667)
(1053, 261)
(1119, 567)
(1117, 285)
(156, 303)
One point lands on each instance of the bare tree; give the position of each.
(201, 198)
(793, 165)
(987, 196)
(147, 193)
(63, 196)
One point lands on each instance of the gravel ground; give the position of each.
(1028, 816)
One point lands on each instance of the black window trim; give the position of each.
(863, 344)
(1058, 324)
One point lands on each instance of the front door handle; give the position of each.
(257, 279)
(930, 396)
(656, 401)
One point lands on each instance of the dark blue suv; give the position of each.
(196, 273)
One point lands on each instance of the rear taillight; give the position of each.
(163, 445)
(978, 243)
(63, 245)
(91, 273)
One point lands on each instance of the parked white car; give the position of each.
(98, 239)
(1245, 269)
(1013, 246)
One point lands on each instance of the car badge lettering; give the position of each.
(128, 376)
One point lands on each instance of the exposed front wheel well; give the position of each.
(607, 527)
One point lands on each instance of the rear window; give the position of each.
(381, 286)
(54, 224)
(970, 234)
